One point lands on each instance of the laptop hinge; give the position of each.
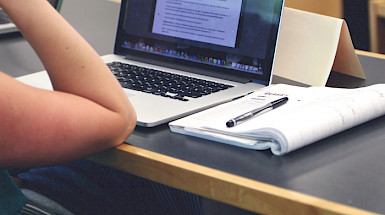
(189, 68)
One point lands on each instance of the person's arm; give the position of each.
(88, 111)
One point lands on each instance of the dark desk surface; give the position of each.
(329, 176)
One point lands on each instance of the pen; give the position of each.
(271, 105)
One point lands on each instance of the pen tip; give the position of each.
(230, 123)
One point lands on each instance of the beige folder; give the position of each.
(310, 46)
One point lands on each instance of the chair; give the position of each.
(14, 201)
(11, 197)
(377, 25)
(332, 8)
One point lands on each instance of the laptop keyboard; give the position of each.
(4, 19)
(163, 83)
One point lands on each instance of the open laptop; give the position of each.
(7, 26)
(229, 42)
(226, 44)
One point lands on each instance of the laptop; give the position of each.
(174, 58)
(231, 43)
(6, 24)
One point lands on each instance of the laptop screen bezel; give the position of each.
(190, 66)
(56, 4)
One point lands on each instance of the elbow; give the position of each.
(128, 124)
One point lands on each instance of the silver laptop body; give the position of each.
(230, 42)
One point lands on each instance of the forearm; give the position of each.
(91, 113)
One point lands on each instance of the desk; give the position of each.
(328, 177)
(343, 174)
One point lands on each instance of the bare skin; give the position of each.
(86, 113)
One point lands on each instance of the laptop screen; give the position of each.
(232, 37)
(56, 4)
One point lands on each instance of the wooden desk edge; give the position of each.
(224, 187)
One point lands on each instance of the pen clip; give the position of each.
(243, 117)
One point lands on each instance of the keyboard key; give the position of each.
(163, 83)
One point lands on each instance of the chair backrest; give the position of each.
(376, 25)
(12, 200)
(325, 7)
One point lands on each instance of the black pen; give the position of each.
(271, 105)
